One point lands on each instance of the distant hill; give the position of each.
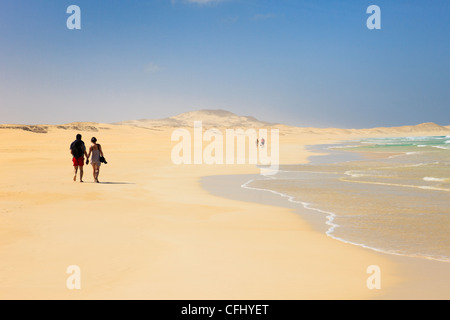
(424, 127)
(209, 118)
(222, 118)
(226, 119)
(77, 126)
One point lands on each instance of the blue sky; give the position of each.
(306, 63)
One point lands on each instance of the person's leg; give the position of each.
(98, 172)
(81, 174)
(75, 170)
(93, 172)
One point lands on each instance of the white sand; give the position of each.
(151, 232)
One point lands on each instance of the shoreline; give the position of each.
(423, 276)
(427, 286)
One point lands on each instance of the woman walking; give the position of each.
(97, 152)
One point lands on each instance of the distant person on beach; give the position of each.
(257, 143)
(78, 151)
(262, 142)
(97, 157)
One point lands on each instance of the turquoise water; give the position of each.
(440, 142)
(395, 199)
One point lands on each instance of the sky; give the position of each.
(298, 62)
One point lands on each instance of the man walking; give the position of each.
(78, 151)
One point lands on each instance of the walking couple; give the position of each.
(78, 151)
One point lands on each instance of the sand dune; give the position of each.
(80, 126)
(30, 128)
(424, 127)
(209, 118)
(226, 119)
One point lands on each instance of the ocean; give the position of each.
(388, 194)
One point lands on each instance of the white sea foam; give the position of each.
(409, 165)
(419, 164)
(398, 185)
(435, 179)
(418, 138)
(359, 174)
(355, 174)
(425, 138)
(330, 217)
(403, 154)
(344, 147)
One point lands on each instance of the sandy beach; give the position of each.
(151, 230)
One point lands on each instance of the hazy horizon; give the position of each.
(296, 62)
(174, 116)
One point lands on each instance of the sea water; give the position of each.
(391, 194)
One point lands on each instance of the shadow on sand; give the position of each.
(109, 182)
(101, 182)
